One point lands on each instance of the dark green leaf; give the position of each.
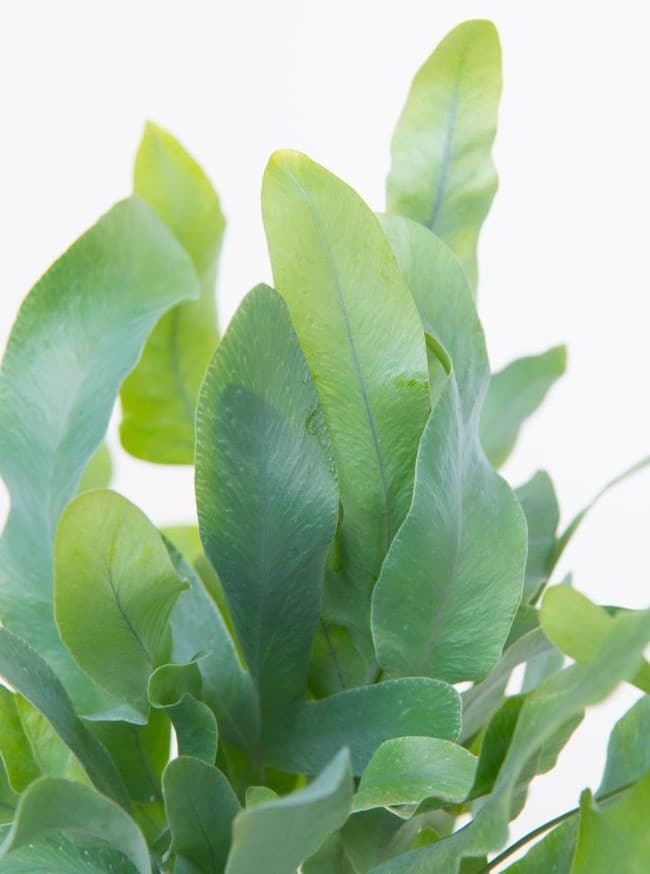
(442, 174)
(159, 397)
(77, 335)
(55, 854)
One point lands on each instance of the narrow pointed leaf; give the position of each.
(539, 503)
(407, 770)
(442, 174)
(278, 836)
(29, 674)
(200, 807)
(628, 751)
(515, 393)
(266, 492)
(54, 805)
(362, 719)
(15, 749)
(452, 580)
(364, 345)
(115, 586)
(159, 396)
(99, 301)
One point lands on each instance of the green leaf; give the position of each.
(159, 397)
(578, 628)
(362, 719)
(452, 580)
(258, 794)
(552, 855)
(614, 837)
(115, 586)
(15, 749)
(277, 836)
(30, 675)
(628, 751)
(177, 689)
(55, 805)
(51, 755)
(539, 503)
(200, 807)
(98, 472)
(266, 492)
(544, 712)
(77, 335)
(515, 394)
(55, 853)
(442, 174)
(364, 345)
(407, 770)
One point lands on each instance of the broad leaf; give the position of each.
(407, 770)
(515, 394)
(30, 675)
(554, 853)
(98, 472)
(54, 805)
(55, 853)
(277, 836)
(362, 719)
(452, 580)
(177, 689)
(266, 492)
(77, 335)
(442, 174)
(200, 807)
(364, 344)
(539, 503)
(115, 586)
(628, 751)
(159, 397)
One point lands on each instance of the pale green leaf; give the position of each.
(539, 503)
(552, 855)
(15, 749)
(98, 472)
(628, 751)
(178, 690)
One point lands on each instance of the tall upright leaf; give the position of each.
(442, 174)
(364, 344)
(159, 396)
(78, 333)
(266, 492)
(452, 580)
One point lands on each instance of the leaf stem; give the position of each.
(547, 826)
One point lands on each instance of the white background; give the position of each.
(564, 255)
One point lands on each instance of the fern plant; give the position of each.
(329, 652)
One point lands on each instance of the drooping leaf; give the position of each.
(553, 705)
(407, 770)
(442, 174)
(277, 836)
(29, 674)
(56, 853)
(266, 492)
(452, 580)
(98, 472)
(362, 719)
(539, 503)
(515, 393)
(77, 335)
(552, 855)
(200, 807)
(115, 586)
(54, 805)
(365, 348)
(178, 690)
(578, 627)
(15, 749)
(628, 751)
(615, 836)
(159, 396)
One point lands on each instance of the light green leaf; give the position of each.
(407, 770)
(266, 492)
(277, 836)
(77, 335)
(15, 749)
(159, 397)
(177, 689)
(578, 628)
(200, 807)
(54, 805)
(29, 674)
(55, 853)
(98, 472)
(544, 712)
(258, 794)
(115, 586)
(614, 837)
(442, 174)
(515, 394)
(362, 719)
(452, 580)
(364, 345)
(552, 855)
(51, 755)
(628, 751)
(539, 503)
